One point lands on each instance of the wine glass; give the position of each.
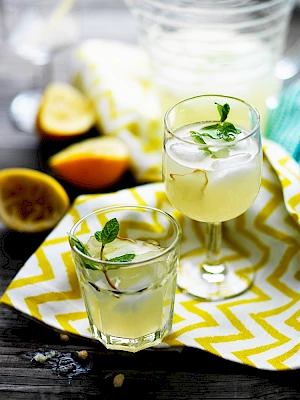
(35, 30)
(212, 173)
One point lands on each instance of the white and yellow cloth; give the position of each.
(261, 327)
(116, 77)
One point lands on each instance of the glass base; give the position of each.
(23, 110)
(213, 283)
(129, 344)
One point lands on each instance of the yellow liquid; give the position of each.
(209, 189)
(142, 306)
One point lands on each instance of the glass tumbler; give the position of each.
(214, 46)
(129, 304)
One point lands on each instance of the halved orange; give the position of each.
(92, 163)
(64, 112)
(30, 200)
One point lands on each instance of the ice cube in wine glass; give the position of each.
(233, 161)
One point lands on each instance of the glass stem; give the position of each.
(42, 76)
(2, 21)
(213, 243)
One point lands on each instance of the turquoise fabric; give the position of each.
(284, 122)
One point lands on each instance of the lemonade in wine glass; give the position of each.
(212, 164)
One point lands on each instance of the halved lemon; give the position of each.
(64, 112)
(30, 200)
(92, 163)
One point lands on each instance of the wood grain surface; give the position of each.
(150, 374)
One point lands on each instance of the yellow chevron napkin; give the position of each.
(260, 328)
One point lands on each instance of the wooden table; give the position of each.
(160, 374)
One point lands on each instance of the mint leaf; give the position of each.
(110, 231)
(222, 153)
(227, 132)
(210, 127)
(223, 111)
(123, 258)
(224, 130)
(78, 244)
(208, 135)
(81, 247)
(98, 235)
(229, 127)
(227, 137)
(90, 265)
(207, 150)
(197, 137)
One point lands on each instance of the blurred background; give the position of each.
(18, 72)
(21, 70)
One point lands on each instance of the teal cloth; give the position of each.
(284, 122)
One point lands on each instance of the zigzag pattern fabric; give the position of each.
(260, 328)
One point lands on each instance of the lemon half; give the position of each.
(30, 200)
(64, 112)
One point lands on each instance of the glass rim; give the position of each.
(227, 11)
(130, 207)
(225, 144)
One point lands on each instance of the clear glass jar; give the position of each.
(214, 46)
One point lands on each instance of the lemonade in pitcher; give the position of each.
(189, 62)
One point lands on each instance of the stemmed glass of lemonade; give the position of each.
(212, 164)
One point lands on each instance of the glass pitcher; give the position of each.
(214, 46)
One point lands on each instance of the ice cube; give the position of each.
(188, 155)
(187, 138)
(242, 145)
(232, 161)
(120, 246)
(94, 247)
(129, 305)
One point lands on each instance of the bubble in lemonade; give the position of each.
(214, 182)
(127, 305)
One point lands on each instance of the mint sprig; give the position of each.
(224, 130)
(108, 234)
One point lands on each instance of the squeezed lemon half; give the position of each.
(30, 200)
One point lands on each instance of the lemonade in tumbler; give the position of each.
(127, 271)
